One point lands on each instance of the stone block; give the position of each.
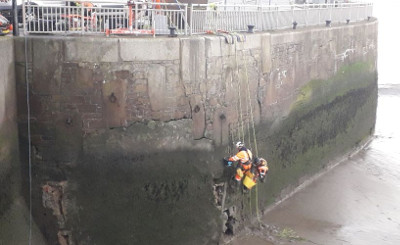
(143, 49)
(266, 62)
(19, 49)
(72, 99)
(157, 86)
(252, 41)
(46, 76)
(122, 74)
(214, 68)
(90, 49)
(229, 50)
(77, 79)
(198, 116)
(220, 127)
(88, 108)
(193, 60)
(95, 124)
(212, 46)
(68, 132)
(114, 103)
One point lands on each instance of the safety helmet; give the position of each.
(260, 161)
(239, 144)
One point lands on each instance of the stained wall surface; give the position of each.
(14, 211)
(128, 134)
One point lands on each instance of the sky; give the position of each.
(388, 14)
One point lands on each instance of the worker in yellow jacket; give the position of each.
(244, 159)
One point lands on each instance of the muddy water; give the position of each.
(357, 202)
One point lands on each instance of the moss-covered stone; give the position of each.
(329, 118)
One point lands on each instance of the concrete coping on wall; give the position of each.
(147, 49)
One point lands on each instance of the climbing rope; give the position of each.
(239, 95)
(250, 123)
(29, 137)
(251, 108)
(253, 126)
(248, 104)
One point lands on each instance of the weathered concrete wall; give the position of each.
(11, 203)
(8, 109)
(9, 166)
(14, 211)
(128, 134)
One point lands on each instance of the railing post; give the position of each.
(185, 20)
(357, 18)
(153, 21)
(24, 18)
(82, 19)
(190, 19)
(292, 13)
(319, 15)
(260, 18)
(307, 14)
(350, 12)
(136, 17)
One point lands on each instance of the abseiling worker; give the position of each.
(244, 158)
(261, 166)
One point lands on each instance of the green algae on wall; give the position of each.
(328, 119)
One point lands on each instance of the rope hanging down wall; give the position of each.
(29, 136)
(249, 110)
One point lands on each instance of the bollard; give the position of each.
(172, 30)
(328, 23)
(347, 21)
(294, 25)
(250, 28)
(368, 18)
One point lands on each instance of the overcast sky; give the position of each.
(388, 14)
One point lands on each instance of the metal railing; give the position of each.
(105, 17)
(109, 17)
(270, 17)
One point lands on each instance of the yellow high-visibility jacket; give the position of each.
(243, 156)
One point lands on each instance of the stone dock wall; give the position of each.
(8, 123)
(128, 133)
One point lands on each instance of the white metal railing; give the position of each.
(102, 17)
(271, 17)
(120, 17)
